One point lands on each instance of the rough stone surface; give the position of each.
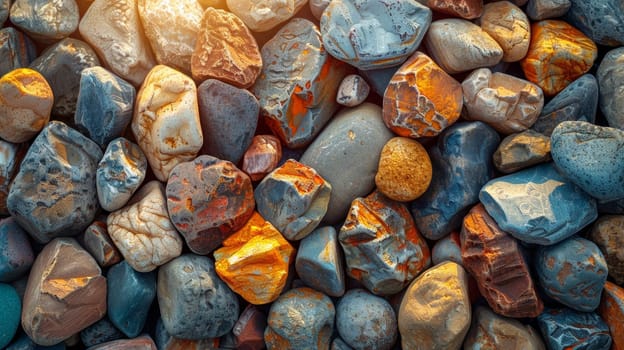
(16, 253)
(601, 20)
(4, 11)
(100, 332)
(521, 150)
(45, 21)
(262, 156)
(319, 262)
(11, 155)
(165, 341)
(610, 76)
(509, 26)
(608, 233)
(447, 248)
(16, 48)
(611, 310)
(538, 10)
(468, 9)
(249, 329)
(10, 311)
(143, 342)
(404, 172)
(261, 16)
(353, 90)
(98, 243)
(569, 329)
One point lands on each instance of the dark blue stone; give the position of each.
(16, 254)
(601, 20)
(319, 261)
(100, 332)
(462, 164)
(16, 49)
(25, 343)
(612, 207)
(538, 205)
(379, 79)
(566, 329)
(130, 294)
(10, 313)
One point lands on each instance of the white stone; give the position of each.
(263, 15)
(353, 90)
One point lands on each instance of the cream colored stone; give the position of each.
(142, 230)
(263, 15)
(353, 90)
(171, 28)
(166, 121)
(506, 103)
(113, 29)
(509, 26)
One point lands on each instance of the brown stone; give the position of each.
(140, 343)
(468, 9)
(262, 156)
(99, 244)
(611, 310)
(494, 259)
(521, 150)
(11, 155)
(509, 26)
(608, 234)
(249, 329)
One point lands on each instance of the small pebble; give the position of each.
(608, 233)
(143, 342)
(249, 329)
(447, 248)
(565, 328)
(521, 150)
(11, 155)
(538, 10)
(100, 332)
(611, 310)
(509, 26)
(262, 156)
(10, 311)
(467, 9)
(16, 253)
(15, 47)
(265, 15)
(610, 76)
(98, 243)
(319, 262)
(601, 20)
(353, 90)
(45, 21)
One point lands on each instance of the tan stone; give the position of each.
(218, 4)
(166, 121)
(264, 15)
(608, 233)
(509, 26)
(521, 150)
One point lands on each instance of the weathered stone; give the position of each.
(165, 341)
(339, 344)
(608, 233)
(98, 243)
(610, 75)
(601, 20)
(421, 99)
(166, 120)
(424, 321)
(143, 342)
(262, 156)
(142, 230)
(249, 329)
(4, 11)
(16, 254)
(495, 260)
(319, 262)
(66, 293)
(538, 10)
(509, 26)
(45, 21)
(261, 16)
(468, 9)
(521, 150)
(318, 6)
(353, 90)
(10, 311)
(100, 332)
(611, 310)
(298, 84)
(564, 329)
(447, 248)
(15, 47)
(11, 155)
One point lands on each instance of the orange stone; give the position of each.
(421, 99)
(558, 55)
(611, 310)
(254, 261)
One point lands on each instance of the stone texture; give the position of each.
(311, 329)
(318, 6)
(468, 9)
(15, 47)
(462, 163)
(379, 78)
(229, 117)
(98, 243)
(114, 30)
(140, 343)
(495, 260)
(25, 104)
(66, 293)
(254, 261)
(165, 341)
(378, 228)
(4, 11)
(249, 329)
(521, 150)
(166, 121)
(506, 103)
(53, 194)
(339, 344)
(538, 10)
(413, 103)
(298, 84)
(45, 21)
(319, 262)
(558, 55)
(261, 16)
(208, 199)
(569, 329)
(16, 253)
(262, 156)
(611, 310)
(194, 303)
(120, 173)
(100, 332)
(424, 321)
(610, 75)
(608, 233)
(11, 155)
(509, 26)
(350, 29)
(353, 90)
(142, 230)
(10, 312)
(447, 248)
(601, 20)
(538, 205)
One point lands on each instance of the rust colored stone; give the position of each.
(249, 329)
(611, 310)
(262, 156)
(468, 9)
(494, 259)
(421, 99)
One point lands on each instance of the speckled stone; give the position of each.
(509, 26)
(165, 341)
(611, 310)
(15, 47)
(249, 329)
(98, 243)
(262, 156)
(424, 321)
(45, 21)
(319, 262)
(53, 194)
(538, 10)
(143, 342)
(350, 26)
(375, 229)
(298, 84)
(120, 173)
(447, 248)
(610, 76)
(578, 101)
(521, 150)
(229, 117)
(208, 199)
(353, 90)
(10, 311)
(100, 332)
(166, 121)
(311, 329)
(262, 16)
(538, 205)
(601, 20)
(318, 6)
(608, 233)
(16, 253)
(462, 164)
(564, 329)
(194, 303)
(104, 106)
(66, 293)
(11, 155)
(468, 9)
(142, 230)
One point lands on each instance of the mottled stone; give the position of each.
(45, 21)
(601, 20)
(462, 164)
(339, 344)
(424, 321)
(610, 76)
(564, 329)
(262, 156)
(538, 10)
(538, 205)
(229, 117)
(11, 155)
(166, 121)
(61, 65)
(608, 233)
(98, 243)
(311, 329)
(164, 341)
(143, 342)
(375, 229)
(521, 150)
(53, 194)
(10, 312)
(16, 253)
(114, 30)
(468, 9)
(66, 293)
(194, 303)
(298, 84)
(353, 90)
(509, 26)
(4, 11)
(249, 329)
(16, 48)
(421, 99)
(261, 16)
(120, 173)
(447, 248)
(506, 103)
(558, 55)
(319, 262)
(495, 260)
(100, 332)
(142, 230)
(611, 310)
(318, 6)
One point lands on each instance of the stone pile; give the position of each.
(322, 174)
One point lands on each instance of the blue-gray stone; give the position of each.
(538, 205)
(10, 313)
(16, 254)
(612, 207)
(566, 329)
(100, 332)
(194, 302)
(462, 164)
(4, 12)
(610, 76)
(104, 106)
(379, 79)
(25, 343)
(591, 157)
(319, 261)
(54, 194)
(130, 295)
(229, 117)
(339, 344)
(578, 101)
(448, 248)
(16, 49)
(601, 20)
(45, 21)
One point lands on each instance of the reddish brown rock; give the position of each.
(611, 310)
(262, 156)
(249, 329)
(468, 9)
(494, 259)
(139, 343)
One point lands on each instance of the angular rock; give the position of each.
(611, 310)
(353, 90)
(249, 329)
(601, 20)
(521, 150)
(538, 10)
(569, 329)
(509, 26)
(100, 332)
(265, 15)
(319, 262)
(404, 172)
(318, 6)
(610, 76)
(608, 233)
(11, 155)
(447, 248)
(262, 156)
(45, 21)
(10, 311)
(468, 9)
(16, 253)
(15, 47)
(98, 243)
(140, 343)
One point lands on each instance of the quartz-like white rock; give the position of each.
(263, 15)
(353, 90)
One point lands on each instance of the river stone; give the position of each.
(165, 341)
(11, 155)
(611, 310)
(10, 312)
(262, 156)
(143, 342)
(249, 329)
(447, 248)
(601, 20)
(353, 90)
(98, 243)
(262, 16)
(53, 194)
(610, 76)
(509, 26)
(468, 9)
(608, 233)
(45, 21)
(319, 262)
(317, 7)
(4, 11)
(565, 328)
(16, 253)
(521, 150)
(538, 10)
(100, 332)
(15, 47)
